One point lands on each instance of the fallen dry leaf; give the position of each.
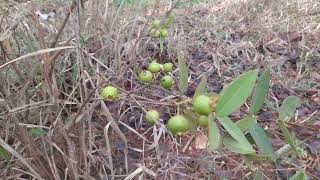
(201, 141)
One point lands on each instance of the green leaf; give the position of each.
(202, 87)
(260, 93)
(299, 176)
(183, 74)
(214, 134)
(257, 175)
(261, 140)
(236, 133)
(232, 97)
(289, 139)
(235, 146)
(4, 154)
(37, 132)
(245, 123)
(288, 107)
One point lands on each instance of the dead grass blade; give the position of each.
(118, 131)
(42, 51)
(108, 147)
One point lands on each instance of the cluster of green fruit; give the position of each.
(157, 31)
(146, 76)
(203, 105)
(178, 124)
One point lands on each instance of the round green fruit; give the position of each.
(156, 23)
(168, 67)
(109, 93)
(154, 67)
(157, 33)
(152, 117)
(178, 125)
(164, 33)
(201, 105)
(145, 76)
(166, 82)
(203, 121)
(153, 32)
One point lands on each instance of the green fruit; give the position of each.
(153, 32)
(164, 33)
(178, 125)
(154, 67)
(201, 105)
(167, 67)
(145, 76)
(203, 121)
(156, 23)
(109, 93)
(157, 33)
(152, 117)
(166, 82)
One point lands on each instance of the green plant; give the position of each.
(201, 105)
(154, 67)
(166, 82)
(152, 116)
(217, 108)
(203, 121)
(161, 32)
(145, 76)
(109, 93)
(167, 67)
(286, 112)
(178, 125)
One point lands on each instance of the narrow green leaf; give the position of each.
(260, 93)
(289, 139)
(214, 134)
(232, 97)
(288, 107)
(261, 140)
(183, 74)
(235, 146)
(37, 132)
(245, 123)
(236, 133)
(202, 87)
(299, 176)
(257, 175)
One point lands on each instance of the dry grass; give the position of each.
(52, 72)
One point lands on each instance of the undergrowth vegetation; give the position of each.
(137, 89)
